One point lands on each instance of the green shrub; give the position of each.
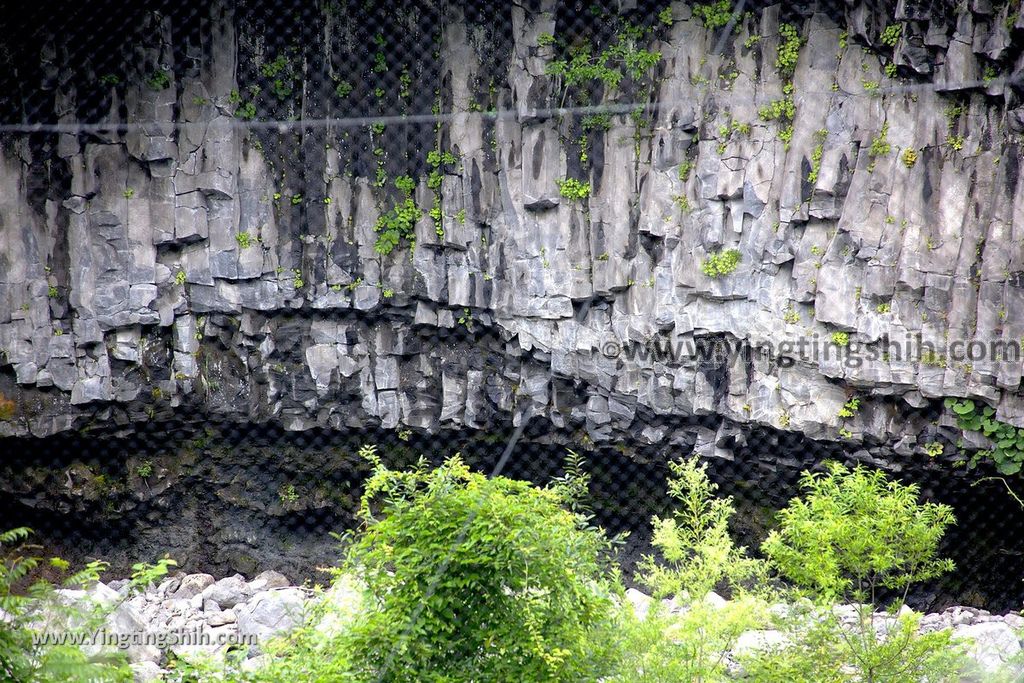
(696, 552)
(721, 263)
(853, 532)
(476, 578)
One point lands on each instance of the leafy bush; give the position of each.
(476, 578)
(722, 263)
(854, 531)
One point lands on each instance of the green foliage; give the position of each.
(180, 277)
(476, 578)
(405, 184)
(145, 469)
(909, 157)
(841, 338)
(343, 89)
(1008, 450)
(145, 574)
(287, 494)
(685, 168)
(158, 80)
(572, 189)
(715, 15)
(25, 658)
(853, 531)
(275, 68)
(933, 449)
(721, 263)
(52, 292)
(849, 408)
(891, 34)
(789, 50)
(696, 552)
(884, 307)
(110, 79)
(247, 111)
(816, 155)
(880, 146)
(955, 142)
(780, 110)
(821, 650)
(545, 39)
(396, 225)
(128, 193)
(665, 16)
(244, 240)
(622, 58)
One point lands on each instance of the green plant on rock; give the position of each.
(955, 142)
(891, 34)
(397, 224)
(343, 89)
(158, 80)
(145, 574)
(621, 59)
(841, 338)
(721, 263)
(1008, 441)
(909, 158)
(789, 50)
(180, 277)
(880, 146)
(244, 240)
(715, 15)
(849, 408)
(145, 469)
(572, 189)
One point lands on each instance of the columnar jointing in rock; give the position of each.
(201, 257)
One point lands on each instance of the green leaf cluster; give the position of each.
(789, 50)
(1008, 453)
(622, 58)
(715, 15)
(572, 189)
(721, 264)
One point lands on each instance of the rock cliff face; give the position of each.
(183, 255)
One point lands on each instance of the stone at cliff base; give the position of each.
(271, 612)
